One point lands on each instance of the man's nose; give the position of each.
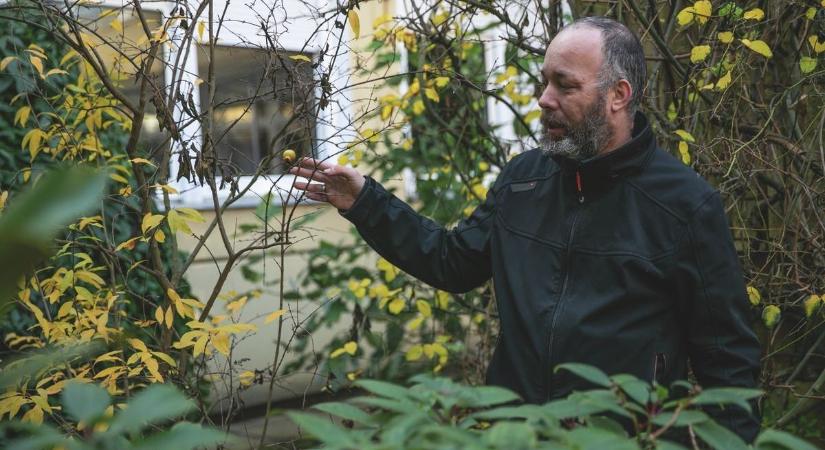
(548, 99)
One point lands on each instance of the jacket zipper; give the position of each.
(579, 186)
(568, 260)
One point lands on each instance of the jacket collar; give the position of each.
(595, 174)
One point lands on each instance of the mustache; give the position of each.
(552, 122)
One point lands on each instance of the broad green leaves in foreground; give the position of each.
(439, 413)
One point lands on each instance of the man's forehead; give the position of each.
(577, 50)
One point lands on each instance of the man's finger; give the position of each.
(312, 163)
(314, 174)
(310, 187)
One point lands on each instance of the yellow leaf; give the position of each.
(221, 343)
(442, 299)
(201, 29)
(771, 315)
(725, 37)
(685, 16)
(754, 14)
(22, 115)
(34, 415)
(414, 353)
(683, 151)
(753, 295)
(351, 347)
(177, 223)
(336, 353)
(160, 236)
(431, 94)
(702, 10)
(724, 81)
(396, 306)
(381, 20)
(150, 221)
(386, 112)
(142, 161)
(128, 244)
(246, 377)
(137, 344)
(119, 178)
(807, 64)
(300, 58)
(812, 303)
(170, 317)
(191, 215)
(424, 308)
(200, 344)
(759, 47)
(6, 61)
(37, 63)
(354, 23)
(236, 306)
(415, 323)
(685, 136)
(418, 107)
(810, 13)
(65, 309)
(699, 53)
(817, 46)
(4, 195)
(390, 271)
(275, 315)
(442, 81)
(159, 314)
(532, 115)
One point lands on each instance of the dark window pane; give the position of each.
(263, 104)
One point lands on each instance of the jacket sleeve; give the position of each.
(722, 347)
(455, 260)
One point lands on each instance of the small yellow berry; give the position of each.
(288, 156)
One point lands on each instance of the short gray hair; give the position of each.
(624, 57)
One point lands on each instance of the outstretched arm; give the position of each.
(455, 260)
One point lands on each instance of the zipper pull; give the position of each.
(579, 186)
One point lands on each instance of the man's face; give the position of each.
(573, 103)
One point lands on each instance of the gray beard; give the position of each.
(582, 141)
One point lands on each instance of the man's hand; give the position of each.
(341, 185)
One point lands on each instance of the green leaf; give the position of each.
(589, 373)
(85, 402)
(511, 435)
(388, 404)
(345, 411)
(156, 403)
(684, 418)
(383, 388)
(529, 412)
(29, 224)
(595, 438)
(488, 396)
(771, 439)
(322, 429)
(718, 436)
(636, 389)
(724, 396)
(183, 436)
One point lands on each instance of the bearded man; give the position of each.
(603, 248)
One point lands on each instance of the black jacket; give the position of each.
(624, 261)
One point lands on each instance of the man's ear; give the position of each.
(622, 94)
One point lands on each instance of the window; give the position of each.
(264, 103)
